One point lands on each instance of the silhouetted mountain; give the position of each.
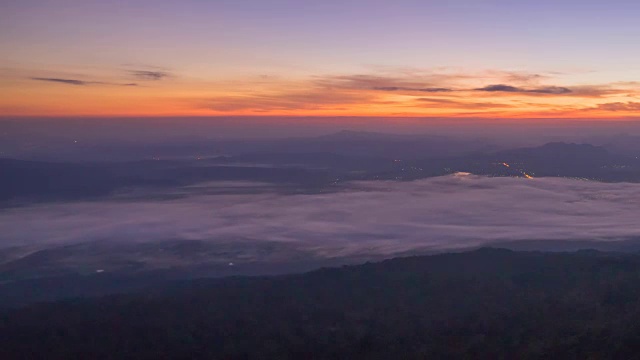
(560, 152)
(572, 160)
(621, 144)
(385, 146)
(30, 179)
(351, 135)
(313, 163)
(488, 303)
(42, 181)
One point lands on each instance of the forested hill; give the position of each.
(488, 303)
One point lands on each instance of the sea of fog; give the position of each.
(452, 212)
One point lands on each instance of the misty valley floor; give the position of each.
(54, 250)
(488, 303)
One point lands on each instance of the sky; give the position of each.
(402, 58)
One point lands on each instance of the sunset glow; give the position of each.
(335, 58)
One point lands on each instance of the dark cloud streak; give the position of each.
(64, 81)
(75, 82)
(149, 75)
(620, 106)
(449, 103)
(399, 88)
(549, 90)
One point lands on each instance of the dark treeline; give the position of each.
(483, 304)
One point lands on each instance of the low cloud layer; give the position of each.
(374, 218)
(79, 82)
(620, 106)
(548, 90)
(399, 92)
(398, 88)
(63, 81)
(149, 75)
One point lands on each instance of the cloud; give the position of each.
(431, 80)
(64, 81)
(604, 90)
(149, 75)
(393, 82)
(294, 100)
(80, 82)
(398, 88)
(505, 88)
(381, 218)
(620, 106)
(550, 90)
(523, 77)
(554, 90)
(455, 104)
(395, 91)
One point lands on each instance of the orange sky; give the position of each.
(464, 58)
(441, 93)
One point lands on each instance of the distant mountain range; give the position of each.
(312, 165)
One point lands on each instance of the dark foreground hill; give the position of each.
(483, 304)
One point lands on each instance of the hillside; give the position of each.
(484, 304)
